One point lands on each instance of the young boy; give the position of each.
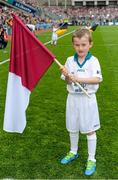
(54, 35)
(81, 111)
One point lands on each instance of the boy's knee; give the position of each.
(91, 133)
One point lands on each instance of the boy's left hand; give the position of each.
(72, 78)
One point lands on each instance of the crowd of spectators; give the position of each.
(5, 16)
(81, 15)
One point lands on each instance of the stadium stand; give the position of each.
(57, 13)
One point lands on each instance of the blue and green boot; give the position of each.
(69, 157)
(90, 168)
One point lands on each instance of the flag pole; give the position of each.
(60, 27)
(60, 65)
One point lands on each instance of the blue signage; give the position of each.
(24, 7)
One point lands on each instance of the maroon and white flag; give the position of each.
(29, 60)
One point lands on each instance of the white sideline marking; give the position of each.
(3, 62)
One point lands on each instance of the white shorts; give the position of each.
(82, 113)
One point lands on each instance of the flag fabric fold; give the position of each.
(93, 27)
(29, 60)
(63, 28)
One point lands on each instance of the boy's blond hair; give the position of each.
(82, 32)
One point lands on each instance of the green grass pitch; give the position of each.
(36, 153)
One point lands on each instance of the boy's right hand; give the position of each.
(64, 71)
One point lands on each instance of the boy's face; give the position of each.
(82, 45)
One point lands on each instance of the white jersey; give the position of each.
(54, 34)
(89, 68)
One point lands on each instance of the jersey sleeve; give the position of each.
(96, 69)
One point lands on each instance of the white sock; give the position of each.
(92, 140)
(55, 42)
(74, 138)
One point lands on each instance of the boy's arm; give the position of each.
(72, 78)
(91, 80)
(96, 76)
